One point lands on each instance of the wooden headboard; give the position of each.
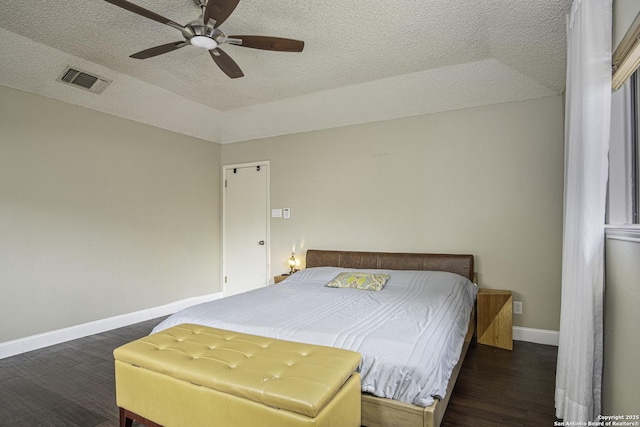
(454, 263)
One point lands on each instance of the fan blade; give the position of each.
(226, 64)
(219, 10)
(146, 13)
(159, 50)
(270, 43)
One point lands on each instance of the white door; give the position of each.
(245, 223)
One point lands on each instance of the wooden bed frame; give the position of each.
(381, 412)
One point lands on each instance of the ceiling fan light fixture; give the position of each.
(204, 42)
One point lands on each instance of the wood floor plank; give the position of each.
(90, 386)
(52, 402)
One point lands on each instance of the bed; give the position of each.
(409, 367)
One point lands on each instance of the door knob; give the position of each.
(261, 242)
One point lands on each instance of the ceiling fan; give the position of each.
(204, 33)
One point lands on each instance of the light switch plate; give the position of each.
(276, 213)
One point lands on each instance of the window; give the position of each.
(624, 155)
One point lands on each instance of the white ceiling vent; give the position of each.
(84, 80)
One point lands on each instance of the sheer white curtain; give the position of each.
(587, 123)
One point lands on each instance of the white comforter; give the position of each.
(410, 333)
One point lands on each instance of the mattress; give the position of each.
(410, 333)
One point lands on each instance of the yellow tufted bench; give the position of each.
(194, 376)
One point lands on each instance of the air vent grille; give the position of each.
(83, 80)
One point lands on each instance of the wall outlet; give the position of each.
(517, 307)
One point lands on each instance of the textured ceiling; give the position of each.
(362, 61)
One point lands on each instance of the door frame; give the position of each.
(226, 168)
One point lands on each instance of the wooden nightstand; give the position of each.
(495, 318)
(280, 278)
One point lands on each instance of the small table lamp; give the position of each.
(292, 263)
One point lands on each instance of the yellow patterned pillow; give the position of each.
(365, 281)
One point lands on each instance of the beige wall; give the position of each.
(486, 181)
(99, 216)
(621, 379)
(624, 13)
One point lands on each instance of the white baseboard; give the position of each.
(538, 336)
(34, 342)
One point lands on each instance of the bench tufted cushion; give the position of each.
(300, 378)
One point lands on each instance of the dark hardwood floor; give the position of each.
(499, 387)
(72, 385)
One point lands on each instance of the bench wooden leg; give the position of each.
(124, 420)
(127, 418)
